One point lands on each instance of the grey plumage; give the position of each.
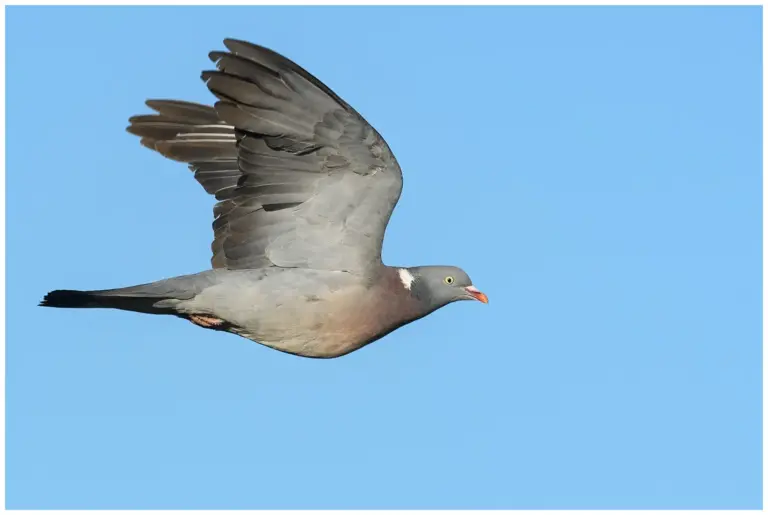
(305, 188)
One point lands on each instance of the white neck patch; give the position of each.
(406, 278)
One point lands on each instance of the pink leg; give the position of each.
(205, 321)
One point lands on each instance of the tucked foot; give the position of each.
(206, 321)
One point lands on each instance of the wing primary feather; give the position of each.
(300, 178)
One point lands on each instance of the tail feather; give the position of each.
(69, 299)
(88, 299)
(160, 297)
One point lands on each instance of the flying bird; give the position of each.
(305, 188)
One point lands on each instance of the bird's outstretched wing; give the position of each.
(301, 179)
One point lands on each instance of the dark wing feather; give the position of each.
(319, 183)
(301, 178)
(191, 133)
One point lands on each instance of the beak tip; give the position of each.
(477, 294)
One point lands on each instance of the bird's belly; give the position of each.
(322, 329)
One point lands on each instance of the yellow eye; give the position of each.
(449, 280)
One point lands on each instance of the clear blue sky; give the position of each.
(597, 171)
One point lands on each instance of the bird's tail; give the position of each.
(95, 299)
(157, 298)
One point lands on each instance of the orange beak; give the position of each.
(477, 294)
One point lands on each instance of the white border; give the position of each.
(390, 2)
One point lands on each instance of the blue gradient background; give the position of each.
(596, 170)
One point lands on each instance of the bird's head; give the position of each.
(440, 285)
